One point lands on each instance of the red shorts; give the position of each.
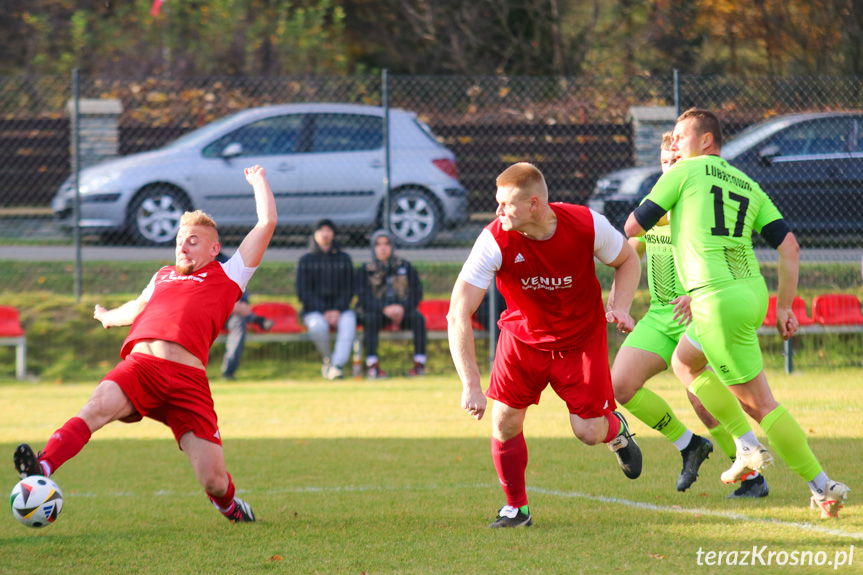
(172, 393)
(581, 377)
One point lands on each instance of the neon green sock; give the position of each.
(724, 440)
(721, 403)
(524, 509)
(789, 441)
(654, 412)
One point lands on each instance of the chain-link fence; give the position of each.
(150, 148)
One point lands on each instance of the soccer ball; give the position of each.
(36, 501)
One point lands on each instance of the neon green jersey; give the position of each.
(662, 277)
(714, 207)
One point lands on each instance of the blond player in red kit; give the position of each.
(163, 375)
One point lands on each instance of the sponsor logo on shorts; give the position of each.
(216, 435)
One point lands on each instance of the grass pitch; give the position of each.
(393, 477)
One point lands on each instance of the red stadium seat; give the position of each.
(798, 306)
(770, 318)
(435, 310)
(10, 322)
(12, 334)
(836, 309)
(284, 317)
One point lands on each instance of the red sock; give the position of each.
(510, 461)
(224, 501)
(614, 426)
(66, 443)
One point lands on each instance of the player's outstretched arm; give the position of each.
(465, 300)
(123, 315)
(627, 271)
(255, 243)
(789, 265)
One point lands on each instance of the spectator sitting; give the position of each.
(389, 291)
(325, 286)
(236, 325)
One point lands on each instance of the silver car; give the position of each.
(322, 160)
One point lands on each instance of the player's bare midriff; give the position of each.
(167, 350)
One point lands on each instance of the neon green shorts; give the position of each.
(726, 319)
(657, 332)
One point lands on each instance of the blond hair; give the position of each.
(197, 218)
(526, 178)
(706, 122)
(666, 141)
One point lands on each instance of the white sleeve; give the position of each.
(236, 269)
(607, 241)
(484, 260)
(148, 291)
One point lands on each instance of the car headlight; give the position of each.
(96, 183)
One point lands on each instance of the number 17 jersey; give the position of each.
(714, 207)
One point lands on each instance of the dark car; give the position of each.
(811, 166)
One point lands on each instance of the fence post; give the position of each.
(385, 101)
(648, 125)
(96, 122)
(677, 91)
(76, 167)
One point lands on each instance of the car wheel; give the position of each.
(154, 215)
(414, 217)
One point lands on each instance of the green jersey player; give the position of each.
(647, 352)
(714, 208)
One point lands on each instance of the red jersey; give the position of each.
(554, 300)
(189, 309)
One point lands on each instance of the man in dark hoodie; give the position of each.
(389, 290)
(325, 286)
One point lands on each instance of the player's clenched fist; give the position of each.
(254, 174)
(474, 402)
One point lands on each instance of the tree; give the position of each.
(189, 37)
(482, 37)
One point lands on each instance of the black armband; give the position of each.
(648, 213)
(774, 233)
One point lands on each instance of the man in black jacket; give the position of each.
(325, 286)
(389, 290)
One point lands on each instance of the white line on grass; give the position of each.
(675, 509)
(570, 494)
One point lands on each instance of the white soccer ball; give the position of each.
(36, 501)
